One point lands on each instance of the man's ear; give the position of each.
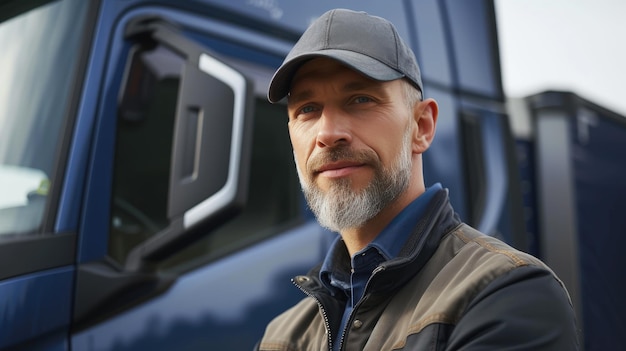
(425, 118)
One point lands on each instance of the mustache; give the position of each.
(342, 153)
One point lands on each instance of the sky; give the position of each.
(571, 45)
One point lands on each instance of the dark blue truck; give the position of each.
(148, 196)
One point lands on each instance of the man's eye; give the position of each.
(362, 99)
(307, 109)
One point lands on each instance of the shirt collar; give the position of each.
(391, 240)
(335, 271)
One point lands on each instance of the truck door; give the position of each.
(180, 162)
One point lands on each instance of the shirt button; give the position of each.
(357, 324)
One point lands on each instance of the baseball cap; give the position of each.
(368, 44)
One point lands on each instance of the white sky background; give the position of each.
(570, 45)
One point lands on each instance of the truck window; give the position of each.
(40, 49)
(143, 148)
(145, 124)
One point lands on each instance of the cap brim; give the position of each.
(370, 67)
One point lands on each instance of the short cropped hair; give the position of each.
(412, 95)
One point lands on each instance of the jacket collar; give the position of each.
(438, 220)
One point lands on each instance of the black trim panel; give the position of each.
(27, 254)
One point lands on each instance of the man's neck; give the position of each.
(356, 239)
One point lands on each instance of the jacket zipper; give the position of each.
(324, 314)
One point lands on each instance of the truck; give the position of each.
(148, 194)
(571, 154)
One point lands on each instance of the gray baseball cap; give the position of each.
(368, 44)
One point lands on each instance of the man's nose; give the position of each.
(333, 129)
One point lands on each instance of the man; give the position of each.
(405, 272)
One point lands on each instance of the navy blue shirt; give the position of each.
(339, 278)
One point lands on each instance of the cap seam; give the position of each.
(330, 23)
(395, 39)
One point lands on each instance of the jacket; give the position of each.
(450, 288)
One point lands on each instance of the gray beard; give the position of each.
(342, 208)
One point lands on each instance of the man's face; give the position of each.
(352, 142)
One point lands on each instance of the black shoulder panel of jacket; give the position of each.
(525, 309)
